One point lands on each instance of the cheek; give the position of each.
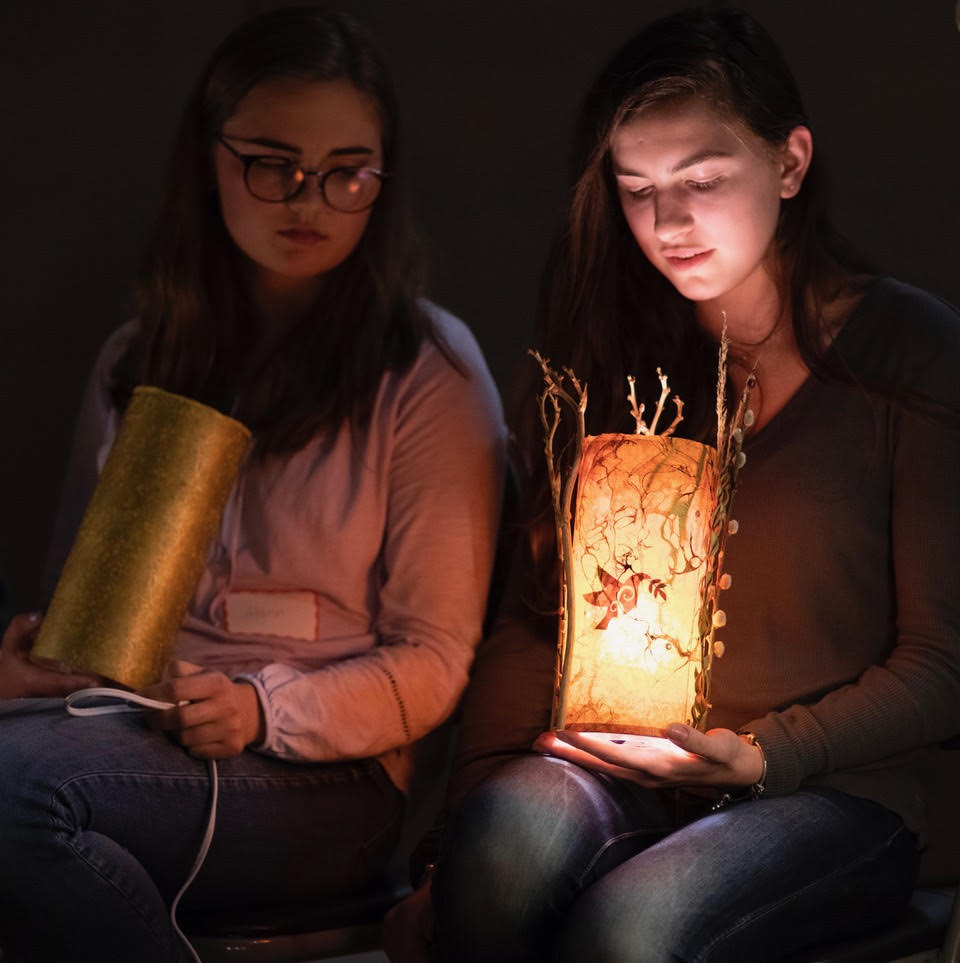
(758, 215)
(639, 218)
(242, 214)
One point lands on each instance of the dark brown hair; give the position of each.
(606, 312)
(197, 325)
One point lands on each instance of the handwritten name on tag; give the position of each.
(291, 615)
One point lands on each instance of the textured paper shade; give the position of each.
(141, 547)
(641, 539)
(640, 556)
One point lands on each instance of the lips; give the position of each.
(302, 235)
(685, 258)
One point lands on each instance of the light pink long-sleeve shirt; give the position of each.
(347, 586)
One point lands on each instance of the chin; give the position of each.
(697, 289)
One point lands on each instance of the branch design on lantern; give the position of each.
(640, 556)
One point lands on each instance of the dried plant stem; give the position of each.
(634, 410)
(664, 394)
(722, 384)
(562, 487)
(637, 411)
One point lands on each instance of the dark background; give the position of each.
(489, 92)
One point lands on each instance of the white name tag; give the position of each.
(291, 615)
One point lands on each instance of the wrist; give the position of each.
(251, 711)
(759, 771)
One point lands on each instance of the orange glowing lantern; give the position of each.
(640, 556)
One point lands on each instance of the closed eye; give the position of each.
(706, 185)
(270, 160)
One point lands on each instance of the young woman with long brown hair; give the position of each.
(697, 197)
(283, 286)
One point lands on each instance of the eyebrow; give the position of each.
(698, 158)
(280, 145)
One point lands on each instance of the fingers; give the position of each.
(22, 632)
(549, 743)
(206, 718)
(44, 683)
(717, 745)
(194, 687)
(651, 754)
(21, 678)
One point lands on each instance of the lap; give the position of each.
(284, 830)
(757, 880)
(545, 854)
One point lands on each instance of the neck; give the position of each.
(281, 301)
(755, 313)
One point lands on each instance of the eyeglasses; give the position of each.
(275, 180)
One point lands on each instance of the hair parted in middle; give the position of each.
(196, 317)
(605, 310)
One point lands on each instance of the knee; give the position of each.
(609, 925)
(510, 847)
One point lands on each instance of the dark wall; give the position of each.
(489, 92)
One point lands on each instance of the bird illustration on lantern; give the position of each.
(640, 553)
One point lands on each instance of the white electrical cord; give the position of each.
(131, 702)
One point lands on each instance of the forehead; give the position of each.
(667, 133)
(310, 115)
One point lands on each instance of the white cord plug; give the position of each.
(131, 702)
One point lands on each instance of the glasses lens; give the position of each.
(351, 188)
(273, 179)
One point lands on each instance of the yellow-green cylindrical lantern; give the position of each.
(640, 556)
(142, 544)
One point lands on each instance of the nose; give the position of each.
(309, 196)
(672, 217)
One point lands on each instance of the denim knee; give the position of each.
(520, 850)
(657, 929)
(510, 840)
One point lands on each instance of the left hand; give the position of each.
(690, 758)
(221, 718)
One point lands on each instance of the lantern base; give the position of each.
(643, 749)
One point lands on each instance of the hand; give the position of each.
(408, 928)
(689, 758)
(19, 677)
(221, 718)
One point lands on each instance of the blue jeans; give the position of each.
(546, 860)
(101, 819)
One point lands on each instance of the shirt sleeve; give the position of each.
(913, 698)
(445, 488)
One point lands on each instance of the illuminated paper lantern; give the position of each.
(641, 553)
(142, 544)
(640, 556)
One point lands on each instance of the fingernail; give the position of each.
(677, 732)
(35, 617)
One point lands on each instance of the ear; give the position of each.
(795, 157)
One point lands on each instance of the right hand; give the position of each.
(408, 928)
(19, 677)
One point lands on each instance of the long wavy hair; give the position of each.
(606, 312)
(197, 324)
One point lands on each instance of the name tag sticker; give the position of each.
(291, 615)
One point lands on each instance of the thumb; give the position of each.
(697, 742)
(180, 667)
(22, 632)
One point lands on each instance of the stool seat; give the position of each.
(298, 931)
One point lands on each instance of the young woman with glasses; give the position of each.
(697, 196)
(283, 286)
